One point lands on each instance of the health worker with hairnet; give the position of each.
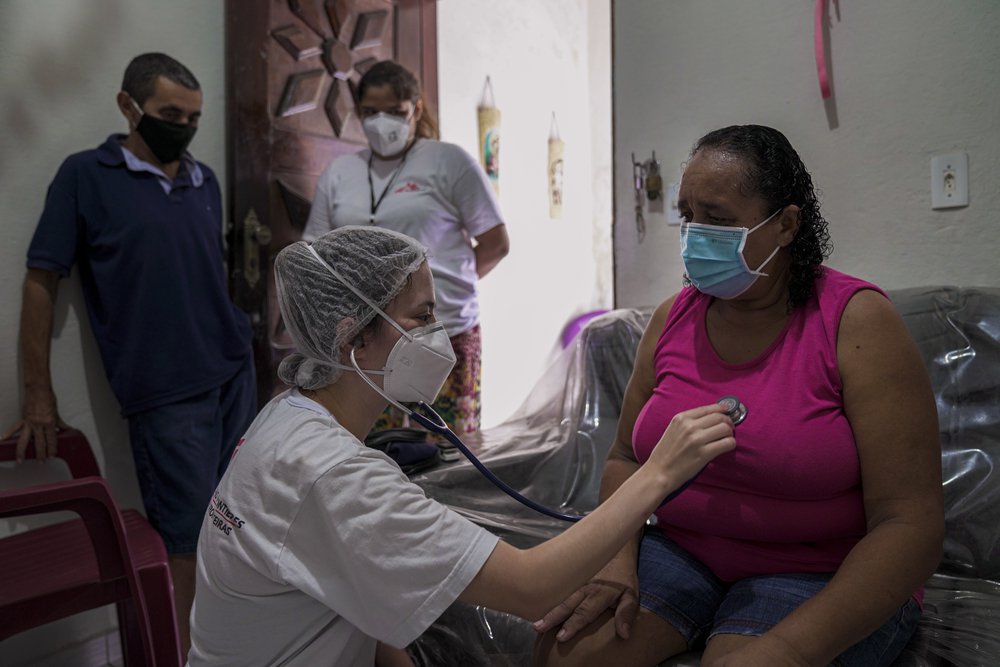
(316, 548)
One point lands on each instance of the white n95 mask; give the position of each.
(387, 134)
(418, 364)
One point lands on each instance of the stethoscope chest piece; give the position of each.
(734, 408)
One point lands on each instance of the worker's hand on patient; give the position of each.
(693, 438)
(614, 588)
(40, 422)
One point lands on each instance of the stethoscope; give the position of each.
(433, 422)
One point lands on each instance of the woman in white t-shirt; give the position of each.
(435, 192)
(314, 546)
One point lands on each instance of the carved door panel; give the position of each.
(292, 73)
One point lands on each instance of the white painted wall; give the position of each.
(61, 64)
(912, 79)
(541, 57)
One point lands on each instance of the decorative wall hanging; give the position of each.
(820, 32)
(822, 28)
(555, 171)
(639, 187)
(489, 135)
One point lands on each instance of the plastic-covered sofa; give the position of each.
(553, 450)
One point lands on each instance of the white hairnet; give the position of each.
(320, 312)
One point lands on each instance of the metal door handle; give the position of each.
(254, 235)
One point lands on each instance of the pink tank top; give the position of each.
(788, 498)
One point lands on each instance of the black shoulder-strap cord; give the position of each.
(371, 186)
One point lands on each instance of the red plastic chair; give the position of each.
(107, 556)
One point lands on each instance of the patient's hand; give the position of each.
(615, 587)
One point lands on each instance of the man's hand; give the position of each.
(608, 590)
(40, 423)
(40, 416)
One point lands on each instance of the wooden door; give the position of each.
(292, 70)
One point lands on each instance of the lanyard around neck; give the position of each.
(375, 203)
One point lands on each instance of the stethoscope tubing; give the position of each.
(438, 425)
(441, 428)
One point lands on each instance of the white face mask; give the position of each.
(419, 362)
(387, 134)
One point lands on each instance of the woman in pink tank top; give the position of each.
(809, 543)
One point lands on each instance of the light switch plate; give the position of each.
(950, 180)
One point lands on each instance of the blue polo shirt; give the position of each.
(151, 265)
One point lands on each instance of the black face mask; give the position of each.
(167, 140)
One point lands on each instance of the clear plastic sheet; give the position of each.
(553, 448)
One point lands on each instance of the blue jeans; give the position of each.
(181, 451)
(678, 588)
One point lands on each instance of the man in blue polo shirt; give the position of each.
(142, 221)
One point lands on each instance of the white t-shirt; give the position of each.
(314, 546)
(439, 196)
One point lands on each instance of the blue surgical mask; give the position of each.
(713, 258)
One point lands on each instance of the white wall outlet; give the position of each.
(673, 215)
(950, 180)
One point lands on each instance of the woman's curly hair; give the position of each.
(773, 171)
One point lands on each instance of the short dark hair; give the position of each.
(141, 74)
(773, 171)
(406, 87)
